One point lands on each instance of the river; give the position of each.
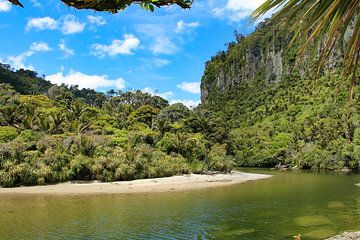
(315, 205)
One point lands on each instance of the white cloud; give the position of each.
(41, 23)
(5, 6)
(191, 87)
(187, 102)
(39, 47)
(158, 62)
(86, 81)
(18, 61)
(237, 10)
(165, 95)
(68, 24)
(161, 39)
(72, 25)
(182, 26)
(36, 3)
(117, 47)
(96, 20)
(67, 52)
(163, 45)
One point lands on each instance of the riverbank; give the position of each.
(168, 184)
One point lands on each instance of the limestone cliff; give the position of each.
(265, 55)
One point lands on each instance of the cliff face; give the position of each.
(265, 55)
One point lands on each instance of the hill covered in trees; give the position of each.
(278, 108)
(260, 107)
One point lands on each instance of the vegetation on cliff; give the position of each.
(278, 109)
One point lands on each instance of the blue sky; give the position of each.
(162, 53)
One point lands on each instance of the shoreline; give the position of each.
(156, 185)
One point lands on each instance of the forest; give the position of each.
(51, 133)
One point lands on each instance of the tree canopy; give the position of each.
(115, 5)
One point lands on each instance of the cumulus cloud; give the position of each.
(67, 52)
(187, 102)
(191, 87)
(161, 40)
(72, 25)
(18, 61)
(39, 47)
(98, 82)
(165, 95)
(41, 24)
(237, 10)
(96, 20)
(163, 45)
(117, 47)
(182, 26)
(68, 24)
(5, 6)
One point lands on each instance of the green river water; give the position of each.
(315, 205)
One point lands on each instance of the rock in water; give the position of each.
(346, 236)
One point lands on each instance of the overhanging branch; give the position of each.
(116, 5)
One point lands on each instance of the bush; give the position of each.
(219, 160)
(29, 136)
(80, 168)
(356, 139)
(7, 134)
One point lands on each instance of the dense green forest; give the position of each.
(58, 133)
(51, 133)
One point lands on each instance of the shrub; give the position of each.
(80, 168)
(29, 136)
(219, 160)
(7, 134)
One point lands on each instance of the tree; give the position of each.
(324, 20)
(114, 6)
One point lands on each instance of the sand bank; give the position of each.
(168, 184)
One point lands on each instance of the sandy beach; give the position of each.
(168, 184)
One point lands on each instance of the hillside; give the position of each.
(277, 109)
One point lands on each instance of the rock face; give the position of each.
(265, 55)
(346, 236)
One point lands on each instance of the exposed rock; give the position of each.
(346, 170)
(346, 236)
(265, 54)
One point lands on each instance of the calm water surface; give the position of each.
(314, 205)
